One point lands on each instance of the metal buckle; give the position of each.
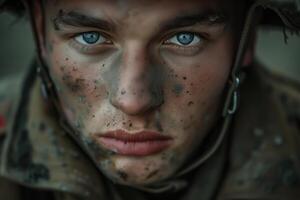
(234, 100)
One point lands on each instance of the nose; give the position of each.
(139, 87)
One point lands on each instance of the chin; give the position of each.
(137, 171)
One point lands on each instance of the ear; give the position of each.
(250, 52)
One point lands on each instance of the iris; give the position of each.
(185, 38)
(91, 37)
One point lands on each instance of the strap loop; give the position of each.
(234, 100)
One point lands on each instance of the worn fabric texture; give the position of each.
(260, 158)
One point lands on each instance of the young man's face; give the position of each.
(141, 82)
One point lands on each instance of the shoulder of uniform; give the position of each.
(285, 93)
(280, 83)
(9, 87)
(9, 189)
(264, 154)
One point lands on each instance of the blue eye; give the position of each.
(185, 39)
(90, 38)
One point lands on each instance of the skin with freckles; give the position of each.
(136, 65)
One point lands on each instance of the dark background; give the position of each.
(17, 48)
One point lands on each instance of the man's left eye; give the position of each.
(185, 39)
(90, 38)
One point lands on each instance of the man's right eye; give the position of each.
(90, 38)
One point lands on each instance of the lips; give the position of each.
(135, 144)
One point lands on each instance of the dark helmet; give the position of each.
(280, 9)
(14, 6)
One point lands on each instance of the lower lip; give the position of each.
(141, 148)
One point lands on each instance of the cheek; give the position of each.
(194, 90)
(202, 76)
(196, 86)
(72, 75)
(78, 82)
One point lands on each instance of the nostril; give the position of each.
(132, 102)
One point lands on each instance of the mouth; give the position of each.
(142, 143)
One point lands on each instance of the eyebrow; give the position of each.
(207, 18)
(77, 19)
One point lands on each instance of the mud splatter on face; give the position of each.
(123, 92)
(76, 85)
(122, 175)
(62, 68)
(190, 103)
(158, 123)
(50, 47)
(95, 149)
(177, 89)
(152, 174)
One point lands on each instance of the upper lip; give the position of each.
(141, 136)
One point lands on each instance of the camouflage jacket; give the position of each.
(259, 160)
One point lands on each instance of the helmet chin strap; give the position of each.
(230, 105)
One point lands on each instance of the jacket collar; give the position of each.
(39, 154)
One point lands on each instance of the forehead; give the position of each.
(122, 8)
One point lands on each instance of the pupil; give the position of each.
(91, 37)
(185, 38)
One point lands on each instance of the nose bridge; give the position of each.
(135, 64)
(135, 92)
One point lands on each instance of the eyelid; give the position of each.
(167, 39)
(175, 40)
(185, 50)
(91, 48)
(76, 31)
(101, 35)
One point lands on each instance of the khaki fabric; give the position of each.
(265, 150)
(258, 160)
(36, 152)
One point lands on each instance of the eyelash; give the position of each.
(97, 48)
(91, 49)
(170, 36)
(186, 50)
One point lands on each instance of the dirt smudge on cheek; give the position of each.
(190, 103)
(177, 89)
(97, 150)
(171, 157)
(50, 46)
(122, 175)
(152, 174)
(101, 156)
(158, 124)
(75, 85)
(78, 84)
(62, 68)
